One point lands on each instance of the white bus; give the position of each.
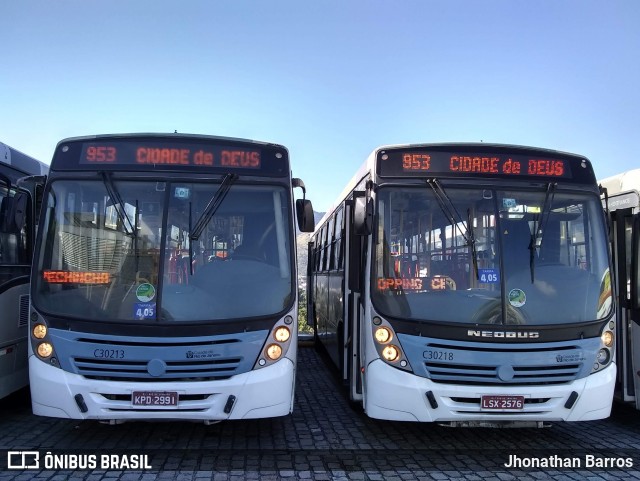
(164, 280)
(468, 284)
(18, 206)
(623, 201)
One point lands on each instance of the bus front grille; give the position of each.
(138, 371)
(493, 364)
(482, 375)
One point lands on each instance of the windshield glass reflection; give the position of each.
(536, 264)
(93, 267)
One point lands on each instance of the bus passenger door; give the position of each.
(631, 345)
(353, 306)
(621, 229)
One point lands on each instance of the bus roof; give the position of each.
(622, 182)
(22, 162)
(212, 138)
(478, 145)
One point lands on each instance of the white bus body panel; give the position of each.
(14, 370)
(266, 392)
(398, 395)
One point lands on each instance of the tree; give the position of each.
(303, 324)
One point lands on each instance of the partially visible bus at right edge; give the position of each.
(623, 201)
(468, 284)
(18, 208)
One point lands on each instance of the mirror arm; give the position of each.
(296, 182)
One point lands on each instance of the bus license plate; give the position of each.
(154, 398)
(500, 402)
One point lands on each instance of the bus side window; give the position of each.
(339, 239)
(331, 243)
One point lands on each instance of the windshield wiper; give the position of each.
(449, 209)
(213, 205)
(539, 225)
(118, 204)
(190, 243)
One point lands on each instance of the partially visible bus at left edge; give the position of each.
(17, 229)
(164, 280)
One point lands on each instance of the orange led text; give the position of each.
(239, 158)
(474, 164)
(68, 277)
(416, 162)
(546, 167)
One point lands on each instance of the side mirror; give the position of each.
(304, 214)
(363, 216)
(30, 181)
(13, 213)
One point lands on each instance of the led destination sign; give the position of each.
(405, 163)
(168, 153)
(158, 154)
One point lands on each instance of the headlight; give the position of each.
(388, 345)
(45, 349)
(39, 331)
(607, 338)
(282, 334)
(391, 353)
(278, 342)
(274, 352)
(383, 335)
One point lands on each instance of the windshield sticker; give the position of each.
(145, 292)
(489, 276)
(517, 297)
(509, 203)
(144, 310)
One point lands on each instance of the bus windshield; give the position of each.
(490, 256)
(123, 250)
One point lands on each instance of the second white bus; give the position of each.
(468, 284)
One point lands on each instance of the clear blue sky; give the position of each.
(331, 80)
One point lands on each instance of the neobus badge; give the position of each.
(504, 334)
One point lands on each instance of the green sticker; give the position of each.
(145, 292)
(517, 297)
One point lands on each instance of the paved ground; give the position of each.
(324, 439)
